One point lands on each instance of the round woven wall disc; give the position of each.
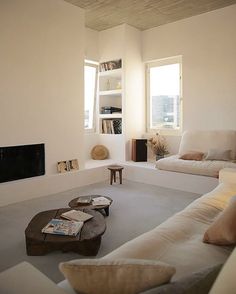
(99, 152)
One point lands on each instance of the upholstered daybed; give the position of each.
(221, 141)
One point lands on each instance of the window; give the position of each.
(164, 94)
(90, 90)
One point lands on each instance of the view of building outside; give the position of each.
(165, 96)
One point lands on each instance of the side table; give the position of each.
(75, 205)
(113, 169)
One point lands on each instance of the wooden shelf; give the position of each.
(112, 115)
(111, 73)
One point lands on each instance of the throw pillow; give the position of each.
(126, 276)
(199, 282)
(223, 230)
(198, 156)
(217, 154)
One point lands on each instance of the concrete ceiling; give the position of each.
(143, 14)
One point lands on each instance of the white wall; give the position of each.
(134, 104)
(112, 43)
(91, 44)
(41, 78)
(208, 45)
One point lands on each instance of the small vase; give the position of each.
(159, 157)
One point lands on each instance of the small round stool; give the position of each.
(113, 169)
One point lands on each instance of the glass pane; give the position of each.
(165, 96)
(89, 93)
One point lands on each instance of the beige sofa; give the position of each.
(202, 141)
(178, 242)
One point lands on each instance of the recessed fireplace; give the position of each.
(19, 162)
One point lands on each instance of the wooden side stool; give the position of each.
(113, 169)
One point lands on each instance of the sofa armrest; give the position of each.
(26, 279)
(227, 176)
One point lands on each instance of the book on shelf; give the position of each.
(77, 215)
(62, 227)
(111, 126)
(117, 126)
(84, 200)
(110, 65)
(101, 201)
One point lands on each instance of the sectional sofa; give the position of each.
(177, 242)
(217, 145)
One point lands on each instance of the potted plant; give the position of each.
(158, 145)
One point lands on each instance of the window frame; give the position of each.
(156, 63)
(94, 64)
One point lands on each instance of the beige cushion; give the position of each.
(225, 283)
(218, 154)
(202, 141)
(192, 156)
(126, 276)
(223, 230)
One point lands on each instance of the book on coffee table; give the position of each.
(62, 227)
(84, 200)
(76, 215)
(101, 201)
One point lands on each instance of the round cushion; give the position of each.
(99, 152)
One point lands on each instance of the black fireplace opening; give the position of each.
(20, 162)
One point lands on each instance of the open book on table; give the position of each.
(76, 215)
(63, 227)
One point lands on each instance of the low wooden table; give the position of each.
(75, 205)
(87, 243)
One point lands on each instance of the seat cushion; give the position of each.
(205, 168)
(127, 276)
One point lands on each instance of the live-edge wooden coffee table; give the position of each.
(87, 242)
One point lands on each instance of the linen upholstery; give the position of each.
(225, 282)
(223, 229)
(205, 167)
(196, 283)
(178, 241)
(218, 154)
(126, 276)
(202, 141)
